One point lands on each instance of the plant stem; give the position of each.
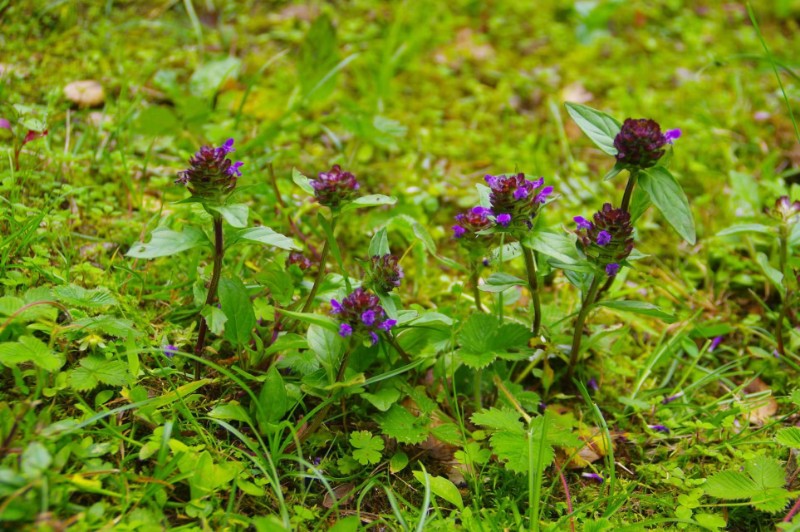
(586, 305)
(784, 237)
(473, 281)
(533, 283)
(321, 271)
(219, 251)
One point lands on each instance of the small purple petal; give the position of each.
(234, 169)
(612, 269)
(593, 476)
(504, 219)
(374, 338)
(668, 400)
(659, 428)
(336, 307)
(5, 124)
(345, 330)
(672, 135)
(603, 238)
(387, 325)
(715, 343)
(536, 184)
(542, 196)
(228, 146)
(481, 211)
(490, 180)
(592, 384)
(520, 193)
(458, 231)
(583, 223)
(486, 262)
(368, 317)
(169, 350)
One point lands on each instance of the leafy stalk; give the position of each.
(321, 271)
(577, 336)
(211, 297)
(533, 283)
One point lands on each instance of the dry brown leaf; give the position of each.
(85, 93)
(595, 449)
(341, 493)
(763, 406)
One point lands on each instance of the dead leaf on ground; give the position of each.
(595, 448)
(341, 494)
(759, 404)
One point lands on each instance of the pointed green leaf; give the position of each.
(236, 214)
(560, 246)
(443, 488)
(598, 126)
(236, 304)
(639, 307)
(302, 181)
(166, 242)
(731, 485)
(373, 200)
(667, 195)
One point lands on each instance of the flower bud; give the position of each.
(607, 239)
(211, 174)
(362, 315)
(516, 200)
(640, 142)
(334, 187)
(383, 273)
(785, 210)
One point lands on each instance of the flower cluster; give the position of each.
(383, 273)
(361, 314)
(516, 200)
(334, 187)
(785, 210)
(607, 239)
(470, 222)
(640, 142)
(298, 259)
(211, 174)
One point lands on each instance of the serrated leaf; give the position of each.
(558, 246)
(766, 472)
(79, 296)
(597, 125)
(265, 235)
(789, 436)
(236, 214)
(731, 485)
(105, 324)
(442, 487)
(367, 447)
(482, 338)
(29, 349)
(95, 370)
(236, 304)
(639, 307)
(496, 419)
(772, 500)
(166, 242)
(215, 319)
(667, 195)
(400, 424)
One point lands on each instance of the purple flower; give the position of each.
(671, 135)
(472, 221)
(593, 476)
(640, 142)
(612, 269)
(345, 330)
(659, 428)
(458, 231)
(592, 384)
(582, 222)
(5, 124)
(715, 343)
(211, 175)
(607, 239)
(373, 337)
(334, 187)
(368, 317)
(336, 307)
(169, 350)
(603, 238)
(383, 273)
(504, 219)
(515, 199)
(542, 196)
(387, 325)
(302, 262)
(520, 193)
(785, 209)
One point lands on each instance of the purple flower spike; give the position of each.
(345, 330)
(336, 307)
(458, 231)
(387, 325)
(368, 317)
(374, 338)
(169, 350)
(659, 428)
(481, 211)
(582, 222)
(520, 193)
(603, 238)
(541, 197)
(593, 476)
(504, 219)
(234, 169)
(612, 269)
(228, 146)
(672, 134)
(715, 343)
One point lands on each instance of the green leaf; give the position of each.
(789, 437)
(236, 214)
(155, 121)
(766, 472)
(666, 193)
(267, 236)
(208, 78)
(598, 126)
(325, 343)
(482, 338)
(77, 296)
(398, 462)
(302, 181)
(496, 419)
(746, 228)
(772, 500)
(557, 245)
(774, 275)
(215, 319)
(614, 172)
(97, 370)
(236, 304)
(232, 411)
(639, 203)
(367, 447)
(379, 244)
(315, 319)
(29, 349)
(166, 242)
(319, 57)
(442, 487)
(273, 398)
(731, 485)
(35, 460)
(500, 282)
(402, 425)
(639, 307)
(384, 398)
(373, 200)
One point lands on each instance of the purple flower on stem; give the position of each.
(640, 142)
(336, 307)
(228, 146)
(603, 238)
(234, 169)
(458, 231)
(592, 384)
(715, 343)
(334, 187)
(384, 273)
(211, 175)
(373, 337)
(582, 222)
(5, 124)
(593, 476)
(659, 428)
(541, 197)
(361, 315)
(472, 221)
(671, 135)
(520, 193)
(169, 350)
(368, 317)
(345, 330)
(504, 219)
(387, 325)
(516, 199)
(612, 269)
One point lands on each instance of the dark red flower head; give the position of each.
(607, 239)
(334, 187)
(640, 142)
(211, 174)
(383, 273)
(361, 314)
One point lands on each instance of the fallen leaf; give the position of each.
(759, 404)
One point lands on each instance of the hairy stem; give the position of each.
(533, 283)
(219, 251)
(321, 271)
(473, 282)
(577, 336)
